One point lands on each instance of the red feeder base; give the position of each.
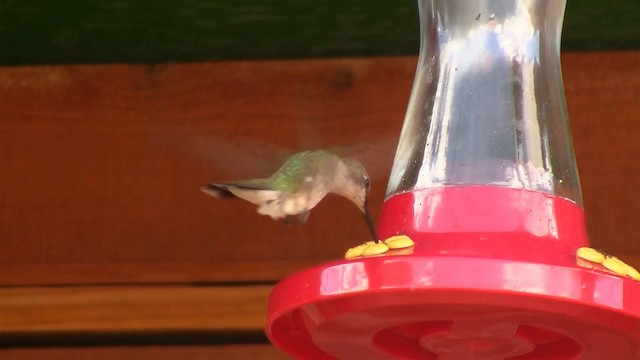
(485, 280)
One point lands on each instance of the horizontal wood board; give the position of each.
(101, 164)
(227, 352)
(109, 310)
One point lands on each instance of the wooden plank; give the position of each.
(122, 309)
(115, 194)
(125, 31)
(226, 352)
(605, 121)
(101, 164)
(87, 274)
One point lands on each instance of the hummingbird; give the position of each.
(300, 184)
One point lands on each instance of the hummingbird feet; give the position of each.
(301, 219)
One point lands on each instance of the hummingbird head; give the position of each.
(357, 190)
(357, 183)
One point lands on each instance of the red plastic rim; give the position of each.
(426, 308)
(483, 291)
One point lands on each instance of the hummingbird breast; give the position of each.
(315, 174)
(291, 204)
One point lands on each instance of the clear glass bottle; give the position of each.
(485, 148)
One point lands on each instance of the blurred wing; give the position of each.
(374, 148)
(375, 154)
(234, 158)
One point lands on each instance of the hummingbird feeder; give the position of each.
(485, 183)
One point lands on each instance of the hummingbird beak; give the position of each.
(372, 227)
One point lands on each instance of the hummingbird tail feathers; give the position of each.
(219, 191)
(251, 192)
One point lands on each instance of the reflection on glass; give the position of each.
(487, 106)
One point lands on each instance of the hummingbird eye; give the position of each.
(367, 183)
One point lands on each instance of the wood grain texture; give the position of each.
(104, 164)
(257, 271)
(132, 309)
(603, 97)
(227, 352)
(101, 165)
